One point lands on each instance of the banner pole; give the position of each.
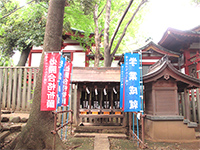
(69, 102)
(62, 122)
(133, 124)
(137, 131)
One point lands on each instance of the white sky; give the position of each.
(178, 14)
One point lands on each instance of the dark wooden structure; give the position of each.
(162, 85)
(187, 43)
(97, 98)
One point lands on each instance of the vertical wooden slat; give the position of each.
(4, 88)
(77, 96)
(198, 104)
(9, 88)
(101, 98)
(187, 104)
(193, 107)
(183, 104)
(90, 103)
(19, 89)
(1, 75)
(24, 99)
(111, 101)
(14, 89)
(29, 89)
(59, 115)
(34, 81)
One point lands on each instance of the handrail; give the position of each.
(55, 130)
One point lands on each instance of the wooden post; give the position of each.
(19, 93)
(129, 120)
(193, 107)
(14, 93)
(9, 88)
(187, 104)
(198, 104)
(76, 99)
(183, 104)
(24, 98)
(29, 89)
(4, 88)
(0, 92)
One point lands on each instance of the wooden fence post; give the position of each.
(194, 116)
(198, 104)
(187, 105)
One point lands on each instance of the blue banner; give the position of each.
(60, 81)
(121, 85)
(132, 83)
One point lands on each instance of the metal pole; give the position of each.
(62, 123)
(69, 103)
(133, 125)
(143, 128)
(129, 124)
(137, 130)
(54, 133)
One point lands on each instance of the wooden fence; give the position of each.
(16, 87)
(189, 101)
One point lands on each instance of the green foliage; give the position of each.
(196, 1)
(23, 27)
(5, 60)
(80, 16)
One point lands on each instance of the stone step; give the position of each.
(100, 129)
(192, 125)
(3, 135)
(197, 134)
(101, 140)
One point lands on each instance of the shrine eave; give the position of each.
(164, 69)
(159, 49)
(175, 39)
(96, 74)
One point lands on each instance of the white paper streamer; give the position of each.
(114, 90)
(104, 90)
(87, 90)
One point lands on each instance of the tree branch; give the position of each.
(116, 13)
(124, 32)
(120, 22)
(101, 32)
(101, 11)
(16, 9)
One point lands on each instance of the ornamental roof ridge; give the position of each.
(158, 46)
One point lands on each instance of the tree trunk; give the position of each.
(106, 35)
(108, 56)
(24, 56)
(97, 38)
(37, 133)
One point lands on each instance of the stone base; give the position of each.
(168, 130)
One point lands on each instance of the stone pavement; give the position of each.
(101, 141)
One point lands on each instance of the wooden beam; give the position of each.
(194, 116)
(198, 104)
(187, 104)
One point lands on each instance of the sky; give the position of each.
(161, 14)
(178, 14)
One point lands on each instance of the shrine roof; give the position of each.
(152, 46)
(175, 39)
(164, 69)
(94, 74)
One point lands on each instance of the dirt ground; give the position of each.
(85, 143)
(121, 144)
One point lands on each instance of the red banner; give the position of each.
(49, 81)
(66, 82)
